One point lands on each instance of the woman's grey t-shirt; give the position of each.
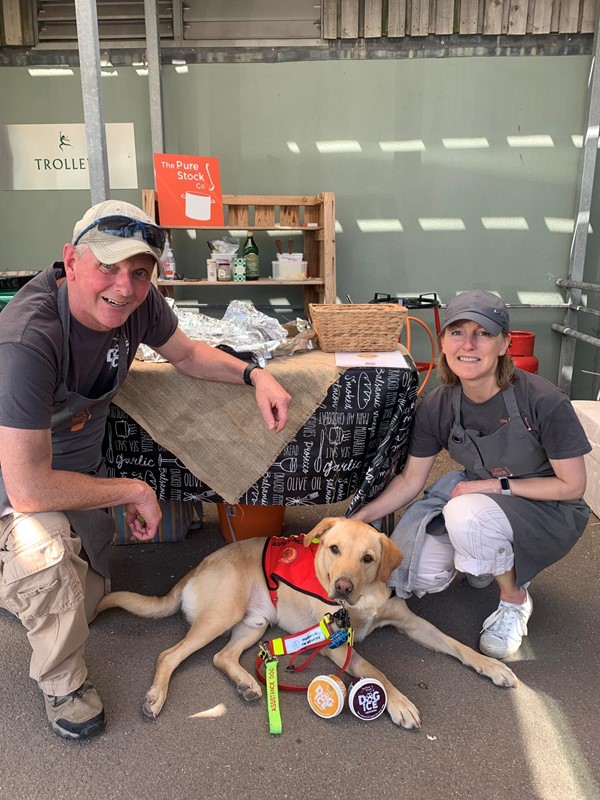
(544, 408)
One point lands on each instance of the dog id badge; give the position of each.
(274, 714)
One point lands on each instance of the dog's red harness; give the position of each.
(287, 560)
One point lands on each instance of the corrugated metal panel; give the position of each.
(57, 20)
(261, 19)
(129, 31)
(239, 23)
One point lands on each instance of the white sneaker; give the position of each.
(503, 631)
(479, 581)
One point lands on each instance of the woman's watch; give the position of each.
(247, 372)
(505, 486)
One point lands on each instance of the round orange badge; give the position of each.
(288, 555)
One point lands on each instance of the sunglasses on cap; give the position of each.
(127, 228)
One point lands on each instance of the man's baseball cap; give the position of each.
(477, 305)
(115, 230)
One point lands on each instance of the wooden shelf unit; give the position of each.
(314, 215)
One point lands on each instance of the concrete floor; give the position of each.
(536, 742)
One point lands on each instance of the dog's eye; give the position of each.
(368, 559)
(335, 549)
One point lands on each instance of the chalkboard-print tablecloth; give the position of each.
(354, 442)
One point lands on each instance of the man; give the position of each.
(67, 339)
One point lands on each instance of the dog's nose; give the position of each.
(343, 587)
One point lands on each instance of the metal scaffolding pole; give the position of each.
(154, 76)
(582, 219)
(91, 88)
(576, 335)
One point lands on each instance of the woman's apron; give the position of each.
(77, 426)
(543, 531)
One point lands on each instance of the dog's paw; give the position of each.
(153, 703)
(403, 712)
(249, 692)
(499, 672)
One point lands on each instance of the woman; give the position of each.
(516, 508)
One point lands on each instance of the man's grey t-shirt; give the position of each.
(31, 350)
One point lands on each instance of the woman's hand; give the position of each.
(567, 483)
(400, 491)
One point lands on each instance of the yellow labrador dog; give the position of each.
(228, 590)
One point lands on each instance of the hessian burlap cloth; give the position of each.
(216, 429)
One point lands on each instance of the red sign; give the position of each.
(189, 191)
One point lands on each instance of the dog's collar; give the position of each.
(334, 628)
(314, 638)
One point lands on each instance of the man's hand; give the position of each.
(143, 518)
(272, 399)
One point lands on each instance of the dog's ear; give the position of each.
(391, 557)
(319, 529)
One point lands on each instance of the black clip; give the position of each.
(342, 619)
(263, 652)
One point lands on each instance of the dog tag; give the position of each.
(275, 725)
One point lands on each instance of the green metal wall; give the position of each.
(267, 123)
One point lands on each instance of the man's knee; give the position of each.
(42, 573)
(96, 586)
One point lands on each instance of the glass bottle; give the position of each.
(167, 261)
(251, 255)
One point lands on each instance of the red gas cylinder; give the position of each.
(521, 350)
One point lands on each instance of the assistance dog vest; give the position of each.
(287, 560)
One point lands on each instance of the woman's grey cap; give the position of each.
(477, 305)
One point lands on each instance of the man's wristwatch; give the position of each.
(247, 372)
(505, 486)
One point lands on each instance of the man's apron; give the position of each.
(543, 531)
(77, 426)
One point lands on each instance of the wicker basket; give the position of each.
(357, 328)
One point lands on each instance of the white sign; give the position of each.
(393, 358)
(56, 157)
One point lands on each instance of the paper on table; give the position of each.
(393, 358)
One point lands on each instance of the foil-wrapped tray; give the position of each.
(12, 281)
